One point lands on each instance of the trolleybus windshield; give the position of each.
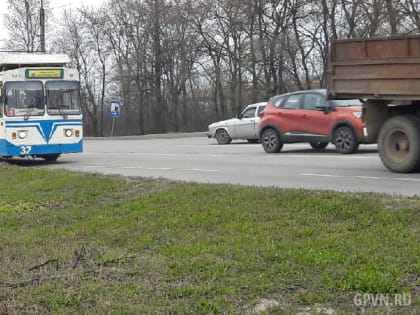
(63, 97)
(24, 98)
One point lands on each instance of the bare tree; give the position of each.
(411, 10)
(83, 40)
(178, 64)
(23, 24)
(130, 43)
(212, 47)
(182, 48)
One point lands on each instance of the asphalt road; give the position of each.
(200, 159)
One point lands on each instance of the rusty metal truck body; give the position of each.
(385, 73)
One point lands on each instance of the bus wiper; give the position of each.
(33, 104)
(60, 106)
(61, 111)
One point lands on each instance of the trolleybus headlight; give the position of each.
(22, 134)
(68, 132)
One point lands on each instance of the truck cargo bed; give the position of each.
(375, 68)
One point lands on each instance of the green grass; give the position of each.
(75, 243)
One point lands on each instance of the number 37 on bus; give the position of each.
(40, 115)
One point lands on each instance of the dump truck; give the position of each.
(384, 72)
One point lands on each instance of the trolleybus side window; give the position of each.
(24, 98)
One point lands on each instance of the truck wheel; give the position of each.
(399, 144)
(223, 137)
(271, 141)
(345, 140)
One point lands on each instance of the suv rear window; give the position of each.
(293, 102)
(277, 101)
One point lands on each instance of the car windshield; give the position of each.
(63, 97)
(346, 103)
(24, 98)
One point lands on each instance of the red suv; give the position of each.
(308, 116)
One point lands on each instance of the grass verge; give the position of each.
(74, 243)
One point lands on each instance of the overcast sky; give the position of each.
(57, 5)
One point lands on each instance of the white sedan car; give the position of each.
(244, 126)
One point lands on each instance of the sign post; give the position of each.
(114, 112)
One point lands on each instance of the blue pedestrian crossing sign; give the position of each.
(115, 109)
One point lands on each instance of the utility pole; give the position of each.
(28, 28)
(42, 22)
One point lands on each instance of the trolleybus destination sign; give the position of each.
(44, 73)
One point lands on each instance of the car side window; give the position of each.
(293, 102)
(260, 109)
(249, 113)
(312, 101)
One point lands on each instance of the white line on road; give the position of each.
(363, 177)
(369, 177)
(132, 153)
(203, 170)
(155, 154)
(320, 175)
(311, 156)
(198, 170)
(146, 168)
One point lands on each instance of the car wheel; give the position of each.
(223, 137)
(252, 140)
(399, 145)
(345, 140)
(271, 141)
(318, 145)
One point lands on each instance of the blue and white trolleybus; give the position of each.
(40, 115)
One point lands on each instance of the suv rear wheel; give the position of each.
(345, 140)
(271, 141)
